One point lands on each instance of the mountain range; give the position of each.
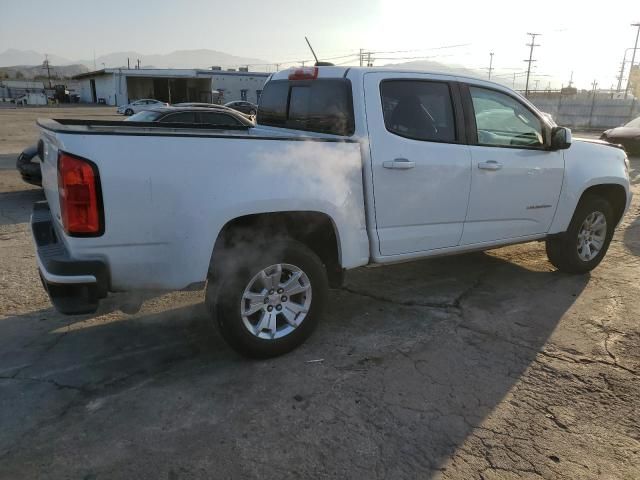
(202, 58)
(29, 62)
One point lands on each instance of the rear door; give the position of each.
(516, 180)
(420, 163)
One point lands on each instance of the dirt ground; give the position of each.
(490, 365)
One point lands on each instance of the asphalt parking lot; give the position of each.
(488, 365)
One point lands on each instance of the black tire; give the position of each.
(128, 112)
(562, 250)
(233, 272)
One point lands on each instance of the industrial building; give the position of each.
(34, 92)
(119, 86)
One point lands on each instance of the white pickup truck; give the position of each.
(346, 167)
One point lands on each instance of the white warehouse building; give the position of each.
(119, 86)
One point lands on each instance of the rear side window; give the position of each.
(323, 106)
(417, 109)
(214, 118)
(181, 117)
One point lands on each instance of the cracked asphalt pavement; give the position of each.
(489, 365)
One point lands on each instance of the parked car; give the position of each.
(198, 104)
(28, 165)
(628, 136)
(271, 216)
(139, 105)
(209, 105)
(247, 108)
(210, 116)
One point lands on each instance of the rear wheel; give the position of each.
(583, 246)
(268, 299)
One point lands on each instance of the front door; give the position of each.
(421, 168)
(516, 182)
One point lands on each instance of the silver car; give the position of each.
(139, 105)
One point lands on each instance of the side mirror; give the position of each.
(560, 138)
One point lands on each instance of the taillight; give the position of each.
(80, 199)
(303, 73)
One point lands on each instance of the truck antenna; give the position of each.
(311, 48)
(318, 62)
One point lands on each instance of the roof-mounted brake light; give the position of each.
(303, 73)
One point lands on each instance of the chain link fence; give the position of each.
(594, 111)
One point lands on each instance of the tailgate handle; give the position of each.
(399, 164)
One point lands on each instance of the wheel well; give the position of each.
(314, 229)
(615, 194)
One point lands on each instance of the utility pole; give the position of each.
(624, 64)
(490, 64)
(621, 72)
(594, 86)
(361, 54)
(46, 65)
(138, 67)
(530, 60)
(633, 58)
(514, 81)
(536, 87)
(369, 61)
(128, 64)
(571, 79)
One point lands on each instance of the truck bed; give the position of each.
(166, 198)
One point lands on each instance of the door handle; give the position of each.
(489, 165)
(399, 164)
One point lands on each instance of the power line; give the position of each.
(530, 60)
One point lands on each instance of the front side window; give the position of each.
(503, 121)
(417, 109)
(144, 116)
(635, 123)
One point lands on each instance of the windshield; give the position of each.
(635, 123)
(144, 116)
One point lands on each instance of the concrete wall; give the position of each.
(232, 86)
(589, 112)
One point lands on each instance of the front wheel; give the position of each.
(128, 112)
(583, 246)
(268, 298)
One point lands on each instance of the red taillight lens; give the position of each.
(80, 202)
(303, 73)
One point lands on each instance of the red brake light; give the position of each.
(80, 200)
(303, 73)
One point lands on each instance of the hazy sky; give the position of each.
(586, 37)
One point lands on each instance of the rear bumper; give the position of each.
(74, 286)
